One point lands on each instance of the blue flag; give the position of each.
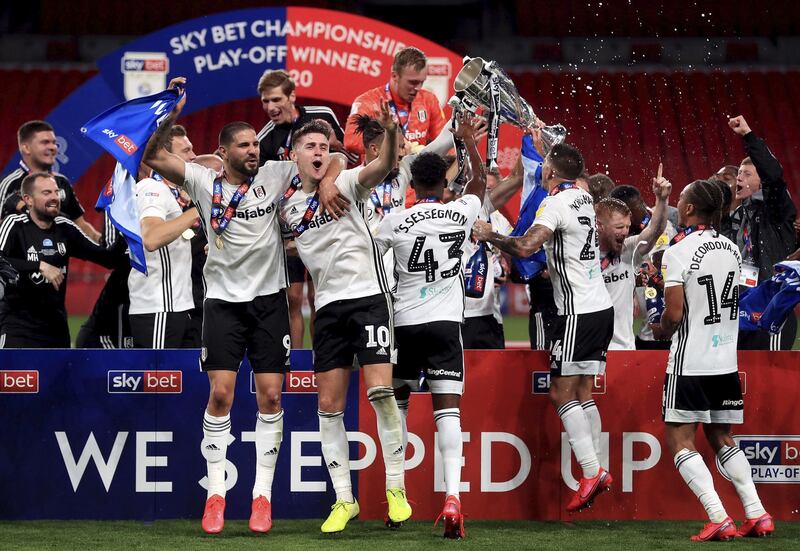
(767, 306)
(533, 195)
(125, 129)
(118, 200)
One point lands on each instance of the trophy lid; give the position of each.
(468, 73)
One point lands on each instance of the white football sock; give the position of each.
(451, 445)
(269, 433)
(336, 452)
(697, 476)
(579, 433)
(390, 433)
(403, 406)
(593, 416)
(738, 468)
(216, 431)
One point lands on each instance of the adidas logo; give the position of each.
(212, 447)
(398, 451)
(31, 249)
(333, 465)
(381, 351)
(293, 211)
(273, 451)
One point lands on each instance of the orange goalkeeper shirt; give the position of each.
(421, 123)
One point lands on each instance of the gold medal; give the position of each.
(650, 293)
(187, 234)
(219, 243)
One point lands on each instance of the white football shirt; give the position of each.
(573, 257)
(428, 240)
(252, 261)
(167, 287)
(620, 280)
(707, 265)
(489, 303)
(340, 255)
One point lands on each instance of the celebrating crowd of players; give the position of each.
(383, 247)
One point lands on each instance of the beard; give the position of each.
(44, 214)
(240, 166)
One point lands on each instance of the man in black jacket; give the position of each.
(38, 244)
(763, 226)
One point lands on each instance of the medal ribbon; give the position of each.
(563, 186)
(221, 218)
(294, 185)
(688, 231)
(307, 216)
(607, 260)
(645, 221)
(385, 207)
(397, 113)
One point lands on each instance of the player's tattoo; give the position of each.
(522, 246)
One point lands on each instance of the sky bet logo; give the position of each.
(773, 459)
(294, 382)
(541, 383)
(19, 382)
(123, 142)
(145, 382)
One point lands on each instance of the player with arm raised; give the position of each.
(701, 272)
(565, 225)
(428, 240)
(245, 310)
(354, 317)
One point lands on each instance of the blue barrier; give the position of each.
(111, 434)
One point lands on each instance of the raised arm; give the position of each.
(508, 186)
(169, 165)
(466, 132)
(376, 171)
(661, 189)
(522, 246)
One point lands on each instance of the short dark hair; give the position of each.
(600, 185)
(30, 180)
(370, 129)
(604, 207)
(409, 57)
(428, 171)
(566, 160)
(272, 79)
(314, 126)
(626, 194)
(176, 131)
(27, 130)
(230, 129)
(707, 198)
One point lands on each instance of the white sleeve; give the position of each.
(347, 182)
(197, 176)
(672, 269)
(443, 142)
(551, 214)
(276, 176)
(470, 206)
(385, 235)
(151, 197)
(500, 224)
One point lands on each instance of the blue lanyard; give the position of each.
(398, 113)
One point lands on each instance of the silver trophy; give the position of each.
(483, 84)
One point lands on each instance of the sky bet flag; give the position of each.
(118, 200)
(124, 131)
(532, 196)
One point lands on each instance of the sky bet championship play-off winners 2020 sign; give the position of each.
(332, 56)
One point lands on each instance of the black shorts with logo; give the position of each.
(579, 343)
(703, 399)
(258, 328)
(433, 349)
(360, 328)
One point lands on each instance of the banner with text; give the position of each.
(116, 435)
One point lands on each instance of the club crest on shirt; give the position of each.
(422, 115)
(62, 248)
(260, 193)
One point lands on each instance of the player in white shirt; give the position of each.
(483, 322)
(428, 241)
(701, 273)
(160, 301)
(565, 225)
(353, 312)
(245, 310)
(621, 255)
